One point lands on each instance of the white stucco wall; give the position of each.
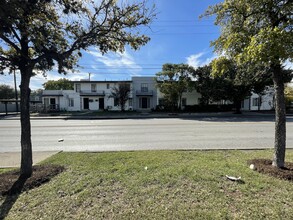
(266, 104)
(191, 97)
(63, 97)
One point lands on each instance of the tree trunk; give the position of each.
(26, 144)
(180, 102)
(280, 124)
(259, 102)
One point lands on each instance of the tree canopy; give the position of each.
(121, 93)
(63, 83)
(6, 92)
(173, 80)
(36, 35)
(45, 32)
(259, 32)
(219, 81)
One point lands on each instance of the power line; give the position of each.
(185, 25)
(184, 20)
(130, 68)
(190, 33)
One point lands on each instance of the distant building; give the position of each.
(144, 96)
(256, 102)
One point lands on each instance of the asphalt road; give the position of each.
(144, 134)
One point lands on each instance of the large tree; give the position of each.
(236, 89)
(121, 93)
(172, 81)
(6, 92)
(259, 32)
(220, 85)
(35, 35)
(63, 83)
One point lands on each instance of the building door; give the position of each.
(86, 103)
(52, 103)
(144, 102)
(101, 103)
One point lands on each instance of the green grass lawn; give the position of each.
(158, 185)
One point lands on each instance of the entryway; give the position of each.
(86, 103)
(101, 104)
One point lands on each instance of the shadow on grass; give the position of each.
(41, 175)
(11, 196)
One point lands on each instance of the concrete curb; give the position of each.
(143, 116)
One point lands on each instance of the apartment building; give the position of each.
(144, 96)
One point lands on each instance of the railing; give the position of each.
(141, 93)
(51, 108)
(92, 92)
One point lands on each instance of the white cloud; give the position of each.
(197, 60)
(117, 62)
(38, 80)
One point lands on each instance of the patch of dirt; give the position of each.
(265, 166)
(41, 174)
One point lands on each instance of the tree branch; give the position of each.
(2, 58)
(10, 43)
(15, 34)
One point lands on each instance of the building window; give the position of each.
(108, 86)
(255, 101)
(71, 102)
(184, 101)
(126, 85)
(93, 87)
(144, 87)
(116, 102)
(46, 102)
(130, 102)
(53, 105)
(77, 88)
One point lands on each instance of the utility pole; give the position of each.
(16, 95)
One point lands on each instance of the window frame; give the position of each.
(144, 87)
(71, 102)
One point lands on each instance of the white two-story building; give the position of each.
(144, 96)
(96, 95)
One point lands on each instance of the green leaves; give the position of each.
(6, 92)
(258, 31)
(269, 45)
(121, 93)
(60, 84)
(173, 80)
(45, 33)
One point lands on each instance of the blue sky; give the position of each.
(177, 36)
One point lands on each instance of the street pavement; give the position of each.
(139, 132)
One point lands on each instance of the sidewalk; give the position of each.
(12, 159)
(89, 116)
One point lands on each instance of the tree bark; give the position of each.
(280, 123)
(259, 102)
(26, 144)
(180, 102)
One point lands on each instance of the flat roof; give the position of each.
(107, 81)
